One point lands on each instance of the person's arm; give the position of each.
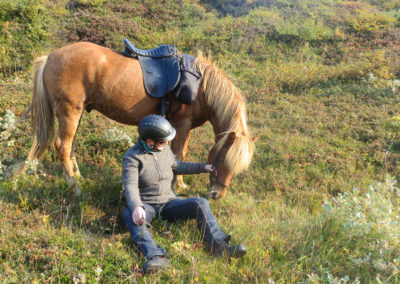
(187, 168)
(130, 182)
(184, 168)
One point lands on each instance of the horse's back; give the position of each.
(94, 77)
(82, 61)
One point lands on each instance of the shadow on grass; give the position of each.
(96, 210)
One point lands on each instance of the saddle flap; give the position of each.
(160, 67)
(160, 75)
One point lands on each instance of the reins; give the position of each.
(213, 175)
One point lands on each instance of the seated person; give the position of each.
(148, 169)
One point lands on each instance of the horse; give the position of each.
(85, 76)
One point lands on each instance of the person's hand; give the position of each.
(139, 215)
(210, 168)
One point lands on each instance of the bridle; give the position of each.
(213, 175)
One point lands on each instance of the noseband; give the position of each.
(213, 174)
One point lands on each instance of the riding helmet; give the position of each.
(156, 127)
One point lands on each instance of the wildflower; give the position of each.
(8, 120)
(82, 277)
(394, 85)
(114, 135)
(32, 166)
(97, 272)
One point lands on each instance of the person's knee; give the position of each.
(201, 202)
(127, 215)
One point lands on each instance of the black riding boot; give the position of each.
(223, 249)
(155, 264)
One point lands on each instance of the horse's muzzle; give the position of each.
(213, 194)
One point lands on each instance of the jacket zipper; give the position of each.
(159, 174)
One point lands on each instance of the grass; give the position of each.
(321, 94)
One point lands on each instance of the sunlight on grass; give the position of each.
(320, 202)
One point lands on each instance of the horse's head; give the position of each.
(230, 155)
(233, 149)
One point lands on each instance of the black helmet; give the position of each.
(156, 127)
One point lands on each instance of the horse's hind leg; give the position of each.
(68, 122)
(77, 173)
(76, 170)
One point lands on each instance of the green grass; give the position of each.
(322, 96)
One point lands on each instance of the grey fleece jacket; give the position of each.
(147, 176)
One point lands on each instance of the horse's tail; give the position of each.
(42, 113)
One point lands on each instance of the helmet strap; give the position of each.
(146, 147)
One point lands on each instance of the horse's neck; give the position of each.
(218, 128)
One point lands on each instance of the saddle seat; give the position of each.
(161, 51)
(160, 67)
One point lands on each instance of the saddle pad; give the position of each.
(160, 75)
(187, 90)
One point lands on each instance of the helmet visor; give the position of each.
(170, 136)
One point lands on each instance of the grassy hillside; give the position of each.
(320, 203)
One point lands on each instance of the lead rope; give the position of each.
(168, 229)
(116, 213)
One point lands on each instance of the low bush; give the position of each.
(368, 222)
(25, 30)
(367, 20)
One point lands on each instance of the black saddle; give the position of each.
(160, 67)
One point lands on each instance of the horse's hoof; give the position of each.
(77, 174)
(19, 169)
(78, 192)
(72, 184)
(181, 185)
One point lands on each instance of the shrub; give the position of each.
(24, 30)
(367, 21)
(375, 210)
(369, 223)
(385, 4)
(85, 3)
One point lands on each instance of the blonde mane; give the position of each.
(230, 109)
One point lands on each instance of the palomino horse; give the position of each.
(85, 76)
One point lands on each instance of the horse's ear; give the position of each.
(231, 138)
(255, 138)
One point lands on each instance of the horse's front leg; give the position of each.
(179, 147)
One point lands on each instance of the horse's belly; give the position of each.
(127, 109)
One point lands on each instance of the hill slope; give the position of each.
(321, 79)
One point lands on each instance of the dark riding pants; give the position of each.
(190, 208)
